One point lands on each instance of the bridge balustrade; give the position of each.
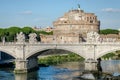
(14, 43)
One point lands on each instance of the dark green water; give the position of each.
(66, 71)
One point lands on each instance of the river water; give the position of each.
(65, 71)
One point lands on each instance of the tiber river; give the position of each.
(66, 71)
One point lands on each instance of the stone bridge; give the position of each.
(26, 53)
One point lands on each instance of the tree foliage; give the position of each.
(58, 59)
(109, 31)
(26, 30)
(109, 55)
(10, 33)
(2, 32)
(46, 33)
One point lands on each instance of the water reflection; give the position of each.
(111, 66)
(61, 72)
(33, 76)
(6, 75)
(20, 76)
(66, 71)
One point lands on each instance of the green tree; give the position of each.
(46, 33)
(10, 33)
(109, 55)
(27, 30)
(109, 31)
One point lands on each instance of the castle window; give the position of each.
(65, 21)
(79, 16)
(87, 18)
(90, 17)
(91, 21)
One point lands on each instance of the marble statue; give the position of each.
(32, 37)
(93, 37)
(20, 37)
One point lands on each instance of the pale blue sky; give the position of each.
(43, 12)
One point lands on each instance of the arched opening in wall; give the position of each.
(112, 55)
(110, 62)
(54, 57)
(6, 60)
(60, 61)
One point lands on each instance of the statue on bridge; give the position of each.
(20, 37)
(99, 68)
(93, 37)
(32, 37)
(3, 40)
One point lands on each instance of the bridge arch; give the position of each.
(106, 52)
(37, 52)
(8, 52)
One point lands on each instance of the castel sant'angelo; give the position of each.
(72, 27)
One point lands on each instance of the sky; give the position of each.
(42, 13)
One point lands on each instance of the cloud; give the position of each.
(111, 10)
(26, 12)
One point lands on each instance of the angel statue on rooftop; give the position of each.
(78, 6)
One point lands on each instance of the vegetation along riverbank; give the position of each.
(59, 59)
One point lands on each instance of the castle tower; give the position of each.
(73, 23)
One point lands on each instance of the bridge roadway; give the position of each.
(26, 53)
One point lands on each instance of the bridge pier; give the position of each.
(21, 76)
(20, 66)
(90, 65)
(23, 66)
